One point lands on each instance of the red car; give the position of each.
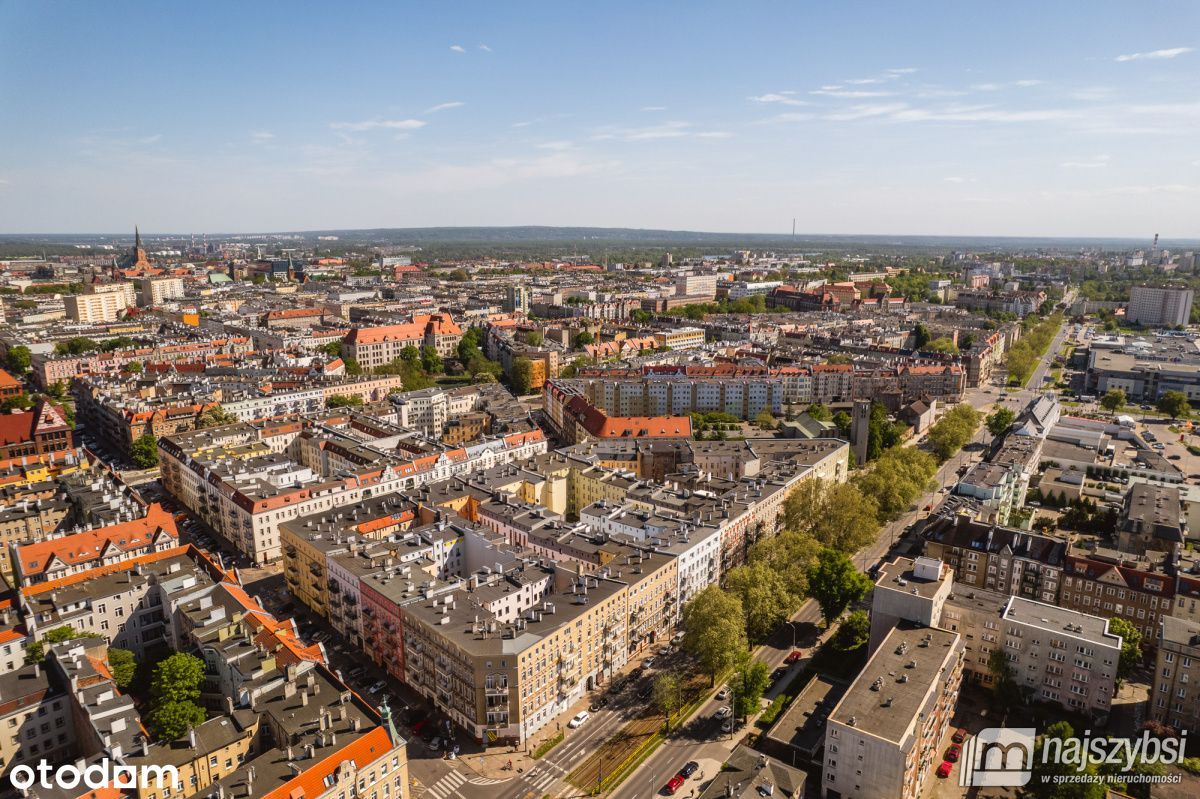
(952, 753)
(943, 770)
(673, 785)
(794, 655)
(959, 736)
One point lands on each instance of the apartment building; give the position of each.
(1160, 305)
(883, 736)
(1107, 582)
(154, 291)
(996, 558)
(1175, 696)
(95, 308)
(51, 558)
(27, 520)
(680, 338)
(41, 435)
(377, 346)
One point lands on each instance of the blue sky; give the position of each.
(921, 117)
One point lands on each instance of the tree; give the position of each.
(177, 679)
(21, 402)
(35, 651)
(899, 476)
(788, 554)
(1004, 679)
(333, 348)
(17, 359)
(749, 683)
(999, 420)
(144, 451)
(214, 416)
(344, 401)
(1113, 400)
(853, 632)
(943, 345)
(410, 355)
(765, 599)
(584, 337)
(431, 362)
(714, 629)
(1055, 777)
(76, 345)
(57, 390)
(459, 276)
(123, 666)
(134, 367)
(638, 316)
(1131, 645)
(842, 421)
(819, 412)
(835, 583)
(765, 420)
(171, 720)
(920, 336)
(534, 338)
(838, 515)
(668, 690)
(352, 367)
(522, 375)
(882, 432)
(1174, 404)
(953, 430)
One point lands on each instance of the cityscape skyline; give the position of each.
(930, 120)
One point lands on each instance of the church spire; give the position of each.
(137, 238)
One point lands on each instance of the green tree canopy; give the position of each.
(177, 678)
(17, 359)
(35, 651)
(999, 420)
(123, 666)
(1131, 645)
(1113, 400)
(837, 515)
(749, 682)
(895, 480)
(667, 690)
(819, 412)
(764, 596)
(144, 451)
(584, 337)
(431, 362)
(1174, 404)
(522, 375)
(835, 583)
(171, 720)
(921, 336)
(344, 401)
(953, 430)
(714, 629)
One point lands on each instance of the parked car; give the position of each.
(778, 673)
(677, 637)
(724, 712)
(436, 743)
(689, 768)
(944, 770)
(727, 725)
(376, 687)
(794, 655)
(673, 785)
(952, 753)
(579, 719)
(598, 703)
(722, 694)
(648, 663)
(960, 735)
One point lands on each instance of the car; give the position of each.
(727, 725)
(722, 694)
(944, 770)
(677, 637)
(778, 673)
(953, 752)
(436, 743)
(598, 703)
(673, 785)
(960, 735)
(794, 655)
(1173, 457)
(648, 663)
(664, 650)
(376, 687)
(689, 768)
(724, 712)
(579, 719)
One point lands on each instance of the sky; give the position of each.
(899, 117)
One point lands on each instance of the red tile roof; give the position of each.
(88, 546)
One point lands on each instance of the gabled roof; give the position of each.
(91, 545)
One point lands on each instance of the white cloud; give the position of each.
(443, 107)
(458, 48)
(865, 111)
(1098, 162)
(485, 48)
(452, 178)
(901, 70)
(866, 81)
(987, 87)
(995, 87)
(261, 135)
(1155, 54)
(654, 108)
(556, 145)
(377, 124)
(850, 93)
(955, 179)
(1028, 82)
(667, 130)
(783, 98)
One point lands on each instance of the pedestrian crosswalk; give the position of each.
(540, 780)
(447, 786)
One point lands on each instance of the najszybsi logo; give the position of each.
(101, 774)
(998, 756)
(1004, 756)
